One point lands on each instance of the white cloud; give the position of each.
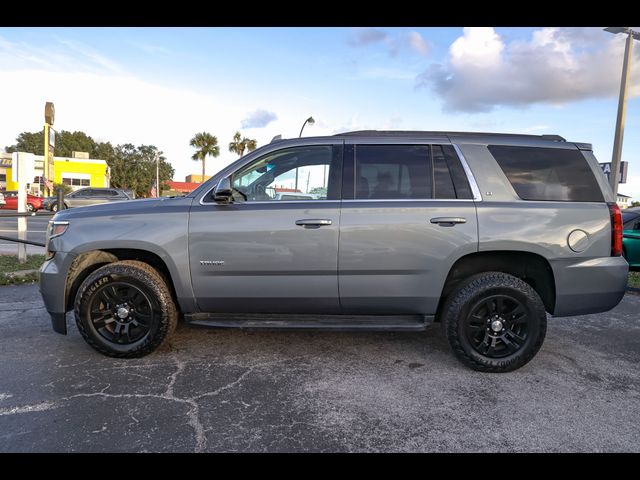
(417, 43)
(412, 40)
(258, 119)
(555, 66)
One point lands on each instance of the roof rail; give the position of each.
(404, 133)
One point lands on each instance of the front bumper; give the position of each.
(53, 275)
(589, 286)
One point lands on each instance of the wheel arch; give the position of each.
(87, 262)
(532, 268)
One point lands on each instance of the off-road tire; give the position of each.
(143, 277)
(459, 304)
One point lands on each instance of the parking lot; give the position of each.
(230, 390)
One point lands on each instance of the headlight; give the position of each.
(56, 228)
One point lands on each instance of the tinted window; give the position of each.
(459, 177)
(392, 172)
(548, 173)
(441, 175)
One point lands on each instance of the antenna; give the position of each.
(276, 138)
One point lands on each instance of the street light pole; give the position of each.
(310, 121)
(622, 105)
(157, 175)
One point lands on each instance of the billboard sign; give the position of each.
(624, 166)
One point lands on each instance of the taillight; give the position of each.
(616, 229)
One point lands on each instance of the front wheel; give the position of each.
(30, 207)
(125, 309)
(494, 322)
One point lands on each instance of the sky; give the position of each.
(160, 86)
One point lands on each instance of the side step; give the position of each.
(389, 323)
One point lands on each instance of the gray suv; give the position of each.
(88, 196)
(483, 233)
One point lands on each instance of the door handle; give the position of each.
(313, 222)
(448, 221)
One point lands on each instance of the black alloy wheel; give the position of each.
(125, 309)
(497, 326)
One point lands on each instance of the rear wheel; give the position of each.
(30, 207)
(125, 309)
(494, 322)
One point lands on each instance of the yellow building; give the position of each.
(193, 178)
(75, 172)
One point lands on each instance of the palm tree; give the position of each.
(239, 145)
(207, 145)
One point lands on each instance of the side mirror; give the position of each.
(223, 192)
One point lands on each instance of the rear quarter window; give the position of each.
(550, 174)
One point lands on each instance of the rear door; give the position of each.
(407, 215)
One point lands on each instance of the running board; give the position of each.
(389, 323)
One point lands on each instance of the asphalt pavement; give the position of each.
(254, 391)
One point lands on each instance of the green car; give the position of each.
(631, 237)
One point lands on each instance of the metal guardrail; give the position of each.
(26, 214)
(17, 240)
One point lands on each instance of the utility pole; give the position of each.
(622, 104)
(157, 175)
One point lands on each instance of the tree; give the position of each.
(135, 167)
(239, 145)
(66, 143)
(207, 145)
(635, 204)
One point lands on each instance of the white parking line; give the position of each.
(30, 231)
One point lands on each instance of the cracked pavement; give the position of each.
(232, 390)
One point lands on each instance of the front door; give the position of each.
(407, 215)
(275, 248)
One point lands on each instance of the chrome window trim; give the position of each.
(472, 180)
(263, 202)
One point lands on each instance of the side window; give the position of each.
(442, 178)
(392, 172)
(548, 174)
(449, 176)
(299, 173)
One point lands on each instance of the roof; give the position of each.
(183, 186)
(624, 196)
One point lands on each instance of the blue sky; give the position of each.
(161, 85)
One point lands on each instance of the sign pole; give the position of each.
(49, 145)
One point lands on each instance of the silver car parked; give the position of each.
(88, 196)
(483, 233)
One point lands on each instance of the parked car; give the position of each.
(87, 196)
(631, 237)
(34, 203)
(484, 233)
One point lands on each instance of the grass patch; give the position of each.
(9, 264)
(634, 279)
